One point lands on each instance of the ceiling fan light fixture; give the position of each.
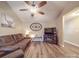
(33, 9)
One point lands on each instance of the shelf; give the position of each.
(50, 33)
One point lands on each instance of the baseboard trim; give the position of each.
(71, 43)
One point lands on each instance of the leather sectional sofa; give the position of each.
(12, 46)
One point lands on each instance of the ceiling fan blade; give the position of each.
(23, 9)
(28, 2)
(42, 4)
(42, 13)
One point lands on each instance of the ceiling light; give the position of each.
(33, 9)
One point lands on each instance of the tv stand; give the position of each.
(50, 35)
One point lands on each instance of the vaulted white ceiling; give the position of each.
(52, 10)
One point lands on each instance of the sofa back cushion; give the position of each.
(1, 41)
(6, 40)
(18, 37)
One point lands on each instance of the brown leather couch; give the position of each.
(13, 42)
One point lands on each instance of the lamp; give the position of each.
(27, 32)
(32, 35)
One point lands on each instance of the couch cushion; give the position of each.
(15, 54)
(18, 37)
(6, 40)
(1, 41)
(2, 53)
(9, 48)
(23, 44)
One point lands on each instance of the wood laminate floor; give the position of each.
(48, 50)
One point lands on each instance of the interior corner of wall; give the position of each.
(61, 44)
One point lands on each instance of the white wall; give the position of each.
(18, 24)
(47, 20)
(59, 21)
(22, 27)
(40, 33)
(71, 30)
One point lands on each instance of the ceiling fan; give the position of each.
(34, 7)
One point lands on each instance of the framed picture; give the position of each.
(7, 21)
